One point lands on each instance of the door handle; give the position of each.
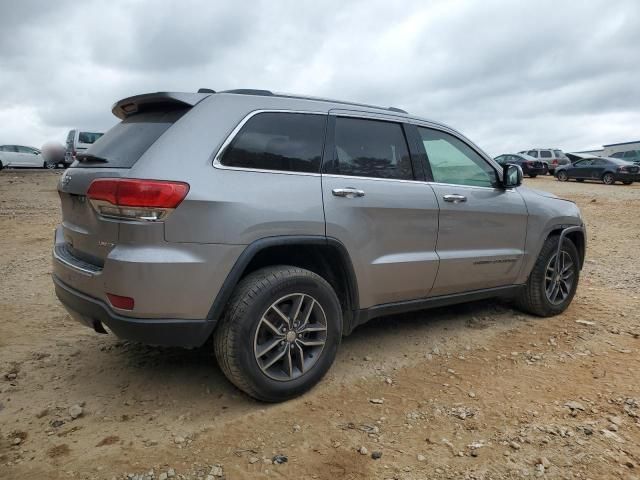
(454, 198)
(348, 192)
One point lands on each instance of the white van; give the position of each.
(77, 142)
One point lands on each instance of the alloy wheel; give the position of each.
(607, 179)
(290, 337)
(558, 280)
(562, 176)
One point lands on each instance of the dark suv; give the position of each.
(276, 224)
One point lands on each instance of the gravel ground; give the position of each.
(475, 391)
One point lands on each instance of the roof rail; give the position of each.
(269, 93)
(250, 91)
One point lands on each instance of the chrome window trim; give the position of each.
(423, 182)
(216, 159)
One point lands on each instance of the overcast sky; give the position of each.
(510, 75)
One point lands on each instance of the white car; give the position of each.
(20, 156)
(78, 141)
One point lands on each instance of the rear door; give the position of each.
(580, 169)
(379, 207)
(482, 227)
(85, 140)
(30, 157)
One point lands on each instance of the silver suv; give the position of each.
(276, 224)
(551, 157)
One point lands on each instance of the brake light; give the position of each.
(135, 199)
(555, 161)
(118, 301)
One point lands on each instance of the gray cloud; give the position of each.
(510, 75)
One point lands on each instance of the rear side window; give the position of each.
(88, 137)
(545, 154)
(124, 144)
(533, 153)
(289, 142)
(370, 148)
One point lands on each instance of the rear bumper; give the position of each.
(626, 177)
(96, 314)
(534, 170)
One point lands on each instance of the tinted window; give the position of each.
(618, 155)
(124, 144)
(545, 154)
(370, 148)
(599, 162)
(88, 137)
(278, 141)
(584, 163)
(453, 161)
(630, 154)
(533, 153)
(502, 159)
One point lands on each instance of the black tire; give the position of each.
(608, 179)
(562, 176)
(1, 166)
(533, 176)
(627, 183)
(533, 297)
(236, 337)
(579, 179)
(49, 165)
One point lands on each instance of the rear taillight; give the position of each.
(555, 161)
(133, 199)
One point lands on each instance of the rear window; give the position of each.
(124, 144)
(559, 154)
(88, 137)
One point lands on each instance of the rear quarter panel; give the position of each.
(229, 206)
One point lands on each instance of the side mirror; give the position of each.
(511, 175)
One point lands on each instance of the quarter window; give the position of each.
(290, 142)
(370, 148)
(453, 161)
(533, 153)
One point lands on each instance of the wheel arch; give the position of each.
(324, 256)
(577, 237)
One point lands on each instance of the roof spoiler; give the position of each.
(130, 105)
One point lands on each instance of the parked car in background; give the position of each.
(552, 157)
(79, 141)
(22, 157)
(288, 222)
(605, 169)
(529, 165)
(629, 155)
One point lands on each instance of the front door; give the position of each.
(482, 227)
(375, 205)
(581, 169)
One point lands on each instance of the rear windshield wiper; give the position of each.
(84, 157)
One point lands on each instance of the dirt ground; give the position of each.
(476, 391)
